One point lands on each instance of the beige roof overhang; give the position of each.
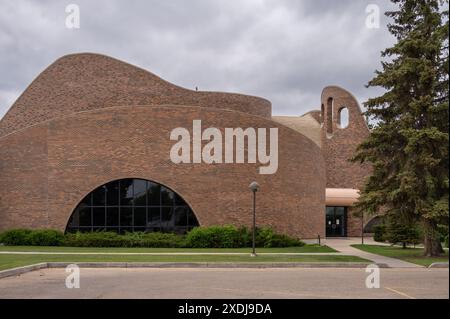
(341, 196)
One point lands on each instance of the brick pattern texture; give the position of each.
(52, 166)
(81, 82)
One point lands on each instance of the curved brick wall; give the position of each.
(48, 168)
(87, 81)
(339, 145)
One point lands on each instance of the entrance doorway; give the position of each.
(336, 221)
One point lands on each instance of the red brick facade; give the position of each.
(339, 145)
(89, 119)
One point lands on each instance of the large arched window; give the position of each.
(129, 205)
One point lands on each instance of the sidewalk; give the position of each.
(343, 245)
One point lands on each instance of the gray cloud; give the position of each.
(283, 50)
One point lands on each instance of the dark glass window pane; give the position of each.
(340, 211)
(180, 230)
(153, 193)
(74, 220)
(98, 216)
(112, 193)
(126, 192)
(132, 205)
(112, 216)
(99, 196)
(140, 216)
(330, 211)
(85, 216)
(154, 217)
(126, 216)
(167, 218)
(179, 201)
(192, 221)
(87, 201)
(167, 197)
(181, 216)
(140, 192)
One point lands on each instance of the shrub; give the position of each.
(200, 237)
(16, 237)
(112, 239)
(154, 240)
(45, 237)
(214, 237)
(266, 237)
(443, 234)
(232, 237)
(379, 233)
(94, 239)
(402, 232)
(28, 237)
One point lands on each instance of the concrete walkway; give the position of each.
(343, 245)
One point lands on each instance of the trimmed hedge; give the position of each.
(112, 239)
(216, 237)
(27, 237)
(200, 237)
(232, 237)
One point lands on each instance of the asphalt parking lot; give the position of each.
(296, 283)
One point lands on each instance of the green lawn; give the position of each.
(11, 261)
(304, 249)
(413, 255)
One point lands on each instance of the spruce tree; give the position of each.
(408, 144)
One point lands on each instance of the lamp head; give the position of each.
(254, 186)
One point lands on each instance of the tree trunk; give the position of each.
(432, 243)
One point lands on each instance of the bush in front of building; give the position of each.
(215, 237)
(46, 237)
(94, 239)
(227, 236)
(15, 237)
(113, 239)
(28, 237)
(266, 237)
(379, 231)
(155, 240)
(232, 237)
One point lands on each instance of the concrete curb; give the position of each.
(21, 270)
(208, 265)
(438, 265)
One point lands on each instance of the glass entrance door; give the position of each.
(336, 221)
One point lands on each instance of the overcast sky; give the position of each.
(282, 50)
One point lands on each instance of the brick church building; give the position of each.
(87, 147)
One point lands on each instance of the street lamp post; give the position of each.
(362, 227)
(254, 186)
